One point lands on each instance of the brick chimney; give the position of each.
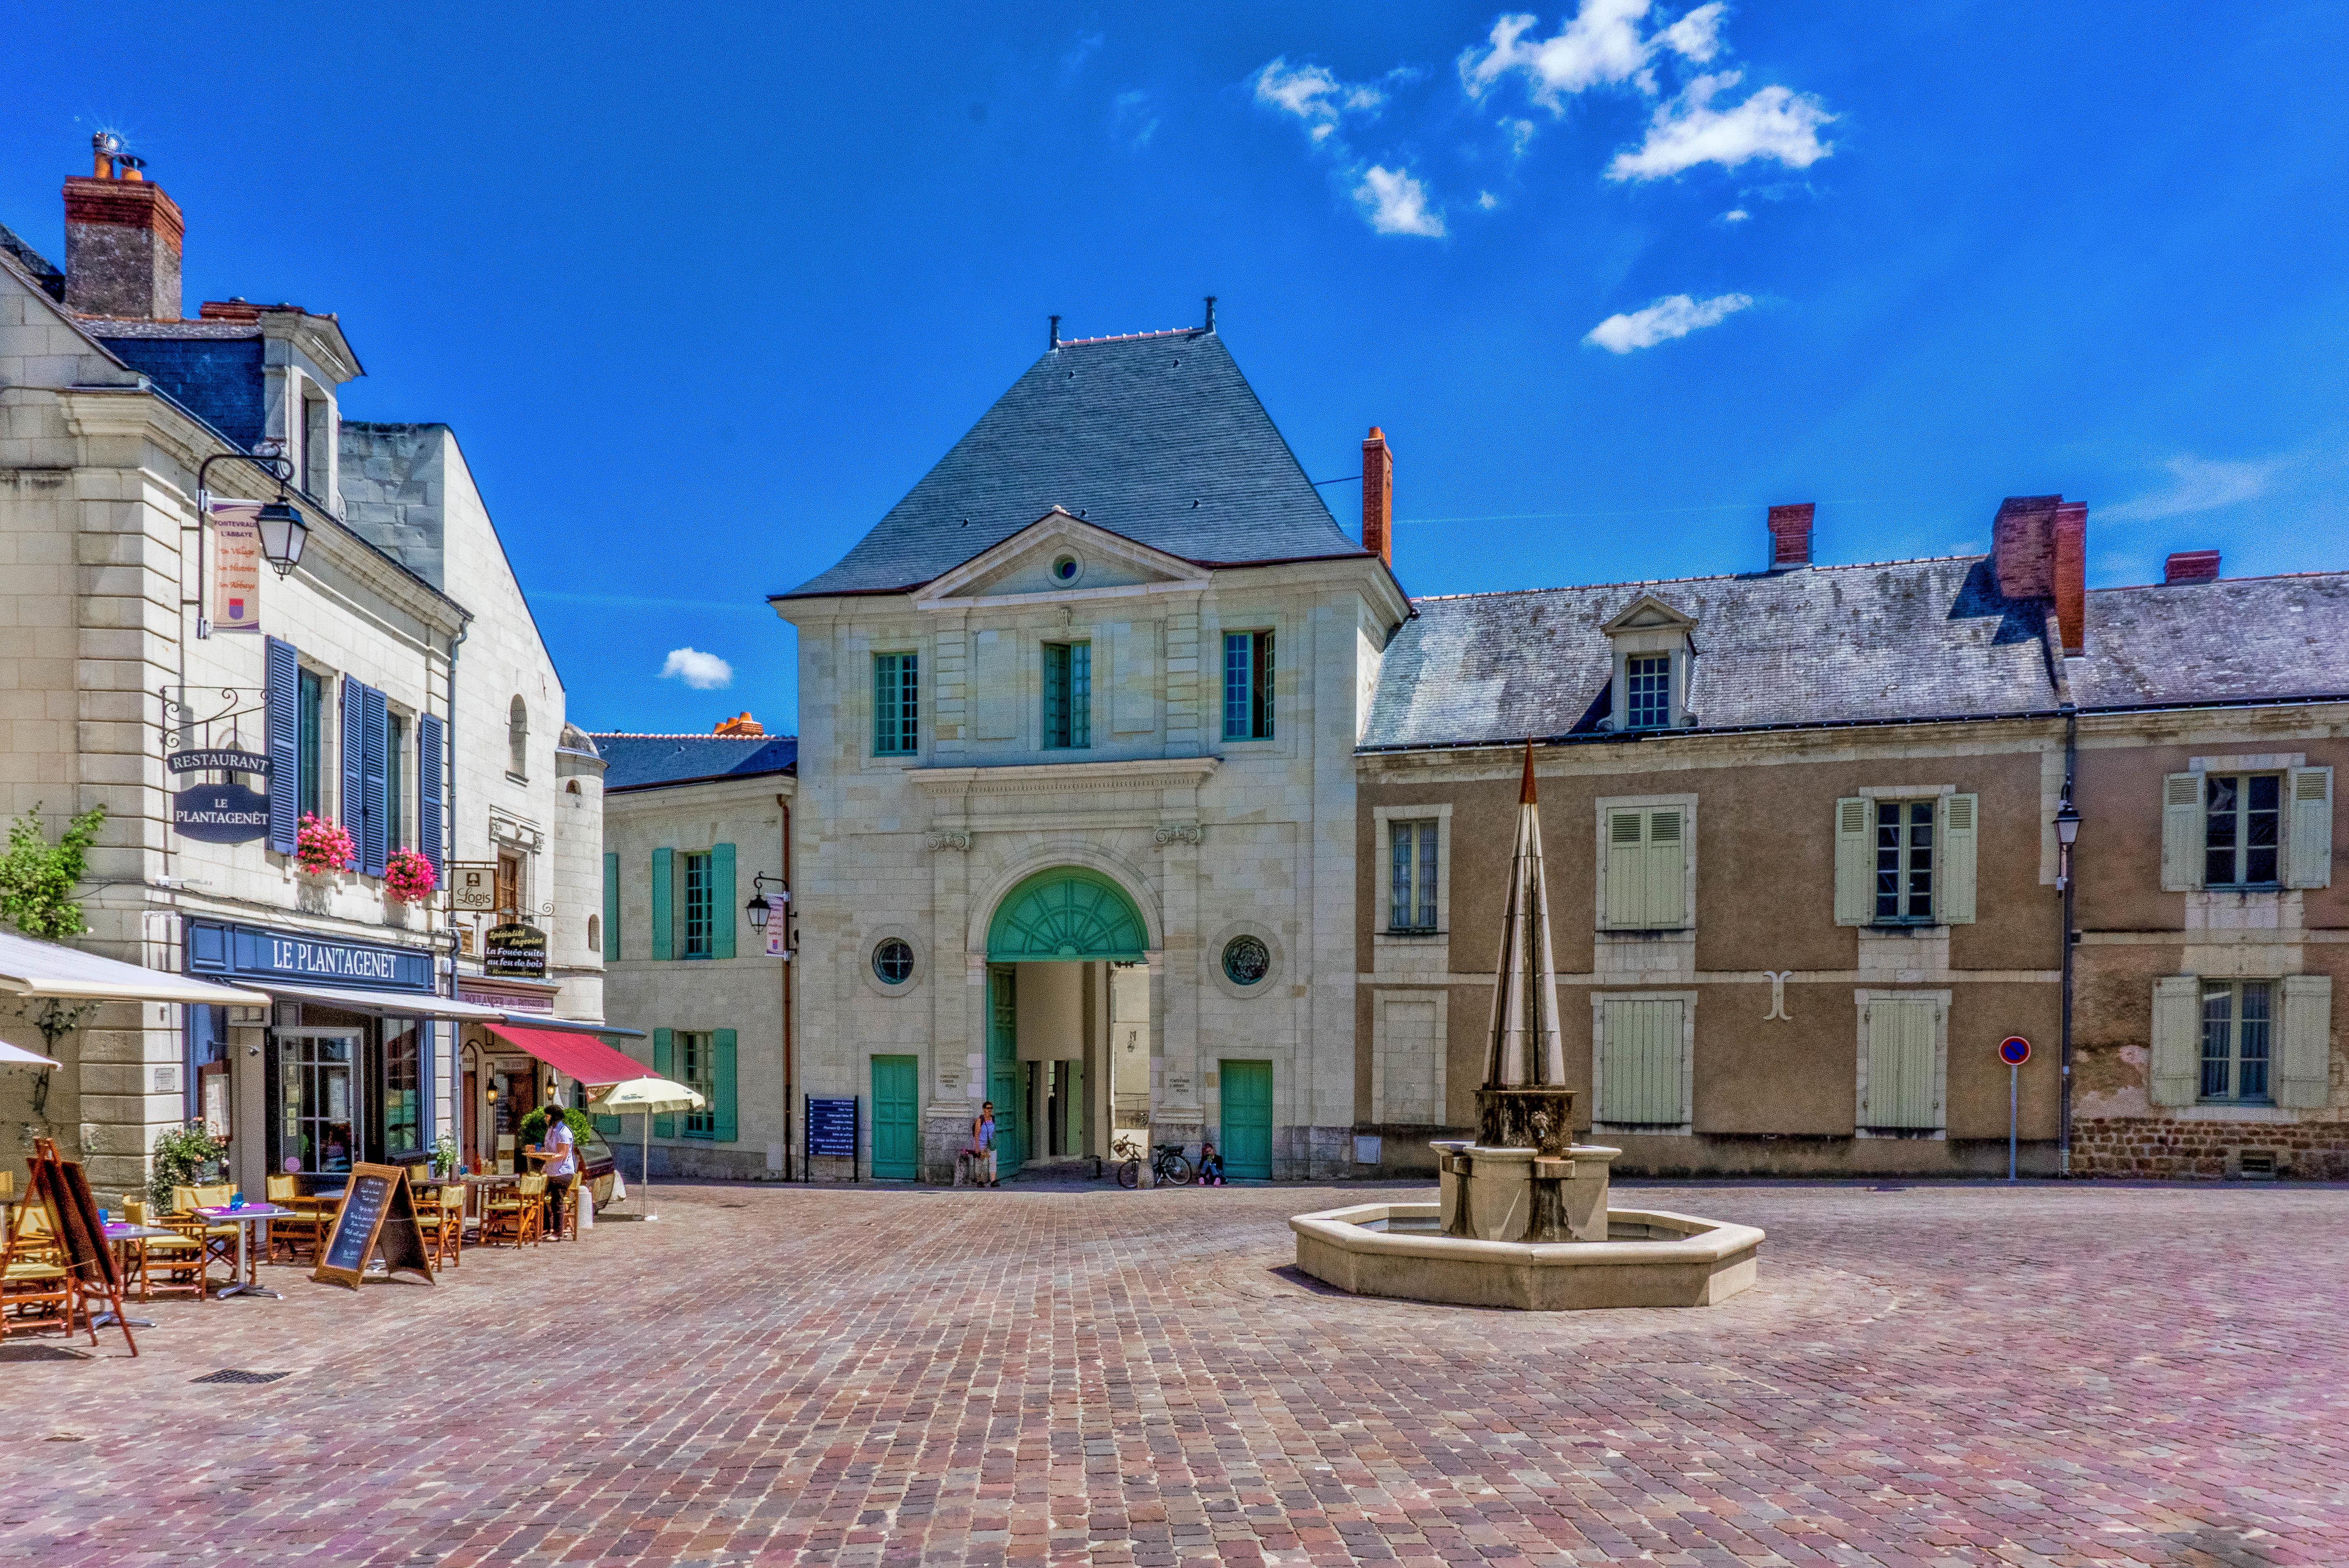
(2072, 575)
(1790, 535)
(2190, 566)
(2039, 547)
(122, 240)
(1378, 495)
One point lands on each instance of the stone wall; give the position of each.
(2163, 1146)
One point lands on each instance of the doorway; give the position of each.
(1247, 1119)
(896, 1117)
(320, 1101)
(1004, 1079)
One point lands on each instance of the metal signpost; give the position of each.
(2013, 1050)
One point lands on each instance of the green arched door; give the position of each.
(1063, 913)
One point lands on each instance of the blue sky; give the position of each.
(703, 291)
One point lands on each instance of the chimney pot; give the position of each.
(1790, 535)
(1378, 495)
(2190, 566)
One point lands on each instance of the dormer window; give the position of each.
(1652, 649)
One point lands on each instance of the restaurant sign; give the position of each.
(516, 951)
(220, 813)
(258, 954)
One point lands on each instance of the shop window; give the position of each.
(2237, 1017)
(1247, 686)
(403, 1090)
(318, 1099)
(312, 701)
(1068, 695)
(700, 906)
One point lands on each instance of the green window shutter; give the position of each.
(664, 1065)
(1639, 1076)
(664, 902)
(2308, 840)
(2181, 839)
(1855, 862)
(1960, 814)
(721, 1062)
(1666, 870)
(2306, 1081)
(1626, 869)
(2174, 1058)
(606, 1126)
(611, 906)
(725, 917)
(1901, 1063)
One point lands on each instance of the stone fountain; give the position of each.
(1522, 1218)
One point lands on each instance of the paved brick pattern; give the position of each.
(1930, 1376)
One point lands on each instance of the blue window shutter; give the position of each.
(349, 808)
(431, 742)
(721, 1066)
(282, 716)
(664, 1063)
(374, 832)
(611, 906)
(723, 916)
(664, 939)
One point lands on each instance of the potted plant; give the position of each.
(444, 1155)
(321, 846)
(185, 1156)
(409, 877)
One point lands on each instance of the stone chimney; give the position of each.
(2039, 547)
(1378, 495)
(122, 240)
(1790, 535)
(2190, 566)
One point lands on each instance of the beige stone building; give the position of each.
(390, 682)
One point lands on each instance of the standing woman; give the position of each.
(982, 1139)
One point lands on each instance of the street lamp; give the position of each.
(762, 905)
(2067, 829)
(283, 533)
(757, 910)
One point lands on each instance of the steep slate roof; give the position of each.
(643, 762)
(2238, 637)
(1155, 437)
(1894, 640)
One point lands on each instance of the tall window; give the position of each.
(698, 1063)
(1648, 690)
(2236, 1020)
(518, 738)
(698, 924)
(403, 1099)
(311, 699)
(896, 704)
(1247, 686)
(2241, 815)
(1904, 861)
(1068, 695)
(1411, 901)
(395, 783)
(509, 884)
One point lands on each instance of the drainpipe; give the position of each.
(790, 957)
(455, 1106)
(2071, 941)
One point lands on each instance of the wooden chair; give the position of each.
(36, 1291)
(163, 1266)
(441, 1213)
(296, 1240)
(217, 1240)
(515, 1217)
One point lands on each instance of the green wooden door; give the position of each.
(1005, 1082)
(1247, 1121)
(897, 1118)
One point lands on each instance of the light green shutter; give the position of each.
(2181, 834)
(1901, 1063)
(1855, 863)
(1667, 870)
(2173, 1053)
(721, 1066)
(2306, 1081)
(611, 906)
(1625, 840)
(1958, 815)
(2309, 836)
(663, 895)
(664, 1066)
(1647, 869)
(1639, 1076)
(725, 919)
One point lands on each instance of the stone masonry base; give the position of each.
(2158, 1146)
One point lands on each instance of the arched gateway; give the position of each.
(1050, 1001)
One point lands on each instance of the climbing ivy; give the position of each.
(38, 878)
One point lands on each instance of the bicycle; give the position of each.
(1168, 1168)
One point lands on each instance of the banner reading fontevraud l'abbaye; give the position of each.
(233, 594)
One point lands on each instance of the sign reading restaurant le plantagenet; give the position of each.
(263, 954)
(226, 813)
(516, 951)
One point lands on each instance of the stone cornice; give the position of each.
(1056, 777)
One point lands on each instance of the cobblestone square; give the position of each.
(1926, 1375)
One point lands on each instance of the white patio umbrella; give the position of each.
(22, 1057)
(646, 1098)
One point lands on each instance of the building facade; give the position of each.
(156, 667)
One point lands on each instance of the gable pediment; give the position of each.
(1649, 613)
(1058, 559)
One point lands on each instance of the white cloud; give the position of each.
(2197, 484)
(1082, 47)
(1314, 94)
(1687, 131)
(1130, 119)
(702, 672)
(1735, 215)
(1521, 135)
(1396, 203)
(1667, 318)
(1601, 46)
(1487, 200)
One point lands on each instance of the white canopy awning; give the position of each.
(395, 1004)
(31, 967)
(18, 1056)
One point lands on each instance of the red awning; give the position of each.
(582, 1056)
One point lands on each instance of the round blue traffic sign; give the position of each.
(2014, 1050)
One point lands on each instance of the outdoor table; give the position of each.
(248, 1280)
(121, 1233)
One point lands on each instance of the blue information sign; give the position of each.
(831, 1128)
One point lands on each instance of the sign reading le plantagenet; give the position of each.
(517, 950)
(265, 954)
(220, 813)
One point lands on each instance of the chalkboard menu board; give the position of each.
(831, 1128)
(378, 1218)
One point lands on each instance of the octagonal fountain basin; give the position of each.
(1651, 1258)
